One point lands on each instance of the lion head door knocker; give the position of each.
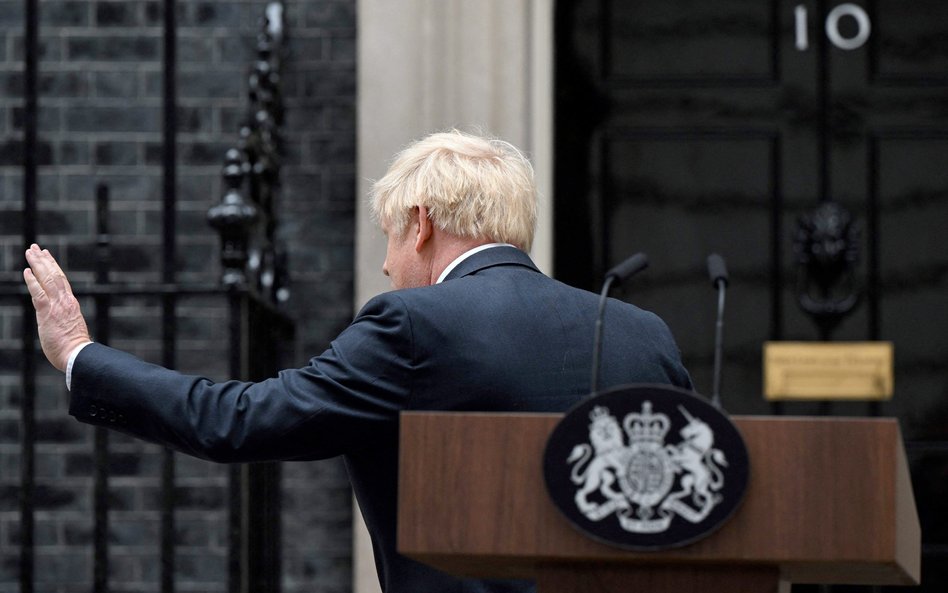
(826, 246)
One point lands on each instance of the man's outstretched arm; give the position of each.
(344, 400)
(61, 326)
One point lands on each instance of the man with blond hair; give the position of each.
(470, 325)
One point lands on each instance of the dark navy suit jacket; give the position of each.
(495, 335)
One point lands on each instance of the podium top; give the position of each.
(829, 501)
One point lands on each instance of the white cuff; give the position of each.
(69, 363)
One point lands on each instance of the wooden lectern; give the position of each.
(829, 501)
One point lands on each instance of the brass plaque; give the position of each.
(828, 370)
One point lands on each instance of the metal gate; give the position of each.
(253, 286)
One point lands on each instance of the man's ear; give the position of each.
(425, 229)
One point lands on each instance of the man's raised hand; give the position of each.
(58, 318)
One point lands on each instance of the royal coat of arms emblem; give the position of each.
(636, 479)
(646, 477)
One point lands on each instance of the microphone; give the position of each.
(620, 273)
(628, 268)
(717, 271)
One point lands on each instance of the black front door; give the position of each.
(686, 128)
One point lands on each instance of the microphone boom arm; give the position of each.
(620, 273)
(718, 346)
(717, 270)
(597, 338)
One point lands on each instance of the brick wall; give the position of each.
(100, 121)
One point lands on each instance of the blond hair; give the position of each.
(472, 187)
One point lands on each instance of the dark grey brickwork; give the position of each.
(100, 121)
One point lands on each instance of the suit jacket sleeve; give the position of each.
(347, 398)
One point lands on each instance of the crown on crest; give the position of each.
(647, 426)
(600, 414)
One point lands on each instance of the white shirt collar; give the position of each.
(466, 255)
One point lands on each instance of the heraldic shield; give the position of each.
(646, 467)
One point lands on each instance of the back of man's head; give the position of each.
(473, 187)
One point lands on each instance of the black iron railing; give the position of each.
(254, 284)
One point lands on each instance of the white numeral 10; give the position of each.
(863, 26)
